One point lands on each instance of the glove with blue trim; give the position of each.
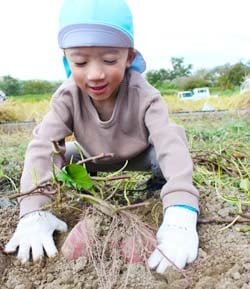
(177, 239)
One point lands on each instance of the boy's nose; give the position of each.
(95, 72)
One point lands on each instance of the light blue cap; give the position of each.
(97, 23)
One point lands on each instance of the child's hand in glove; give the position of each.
(34, 233)
(177, 239)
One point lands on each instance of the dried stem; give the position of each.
(229, 225)
(133, 206)
(98, 157)
(108, 178)
(38, 189)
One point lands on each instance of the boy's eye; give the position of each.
(110, 61)
(80, 64)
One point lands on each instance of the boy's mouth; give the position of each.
(98, 89)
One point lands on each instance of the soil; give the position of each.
(223, 261)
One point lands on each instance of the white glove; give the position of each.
(35, 232)
(177, 239)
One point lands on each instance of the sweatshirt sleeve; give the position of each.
(55, 126)
(172, 154)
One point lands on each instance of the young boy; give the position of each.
(109, 107)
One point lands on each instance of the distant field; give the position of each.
(23, 108)
(235, 101)
(33, 107)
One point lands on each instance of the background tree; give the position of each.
(10, 85)
(156, 77)
(191, 82)
(232, 76)
(179, 69)
(39, 87)
(14, 87)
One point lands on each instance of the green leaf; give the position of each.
(77, 176)
(63, 177)
(245, 185)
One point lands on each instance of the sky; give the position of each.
(206, 33)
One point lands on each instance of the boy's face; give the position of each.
(98, 71)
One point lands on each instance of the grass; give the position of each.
(12, 150)
(220, 149)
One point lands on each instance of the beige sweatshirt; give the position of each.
(140, 118)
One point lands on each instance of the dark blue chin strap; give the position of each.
(66, 67)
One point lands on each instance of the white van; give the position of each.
(185, 94)
(201, 92)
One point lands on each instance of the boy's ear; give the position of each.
(131, 56)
